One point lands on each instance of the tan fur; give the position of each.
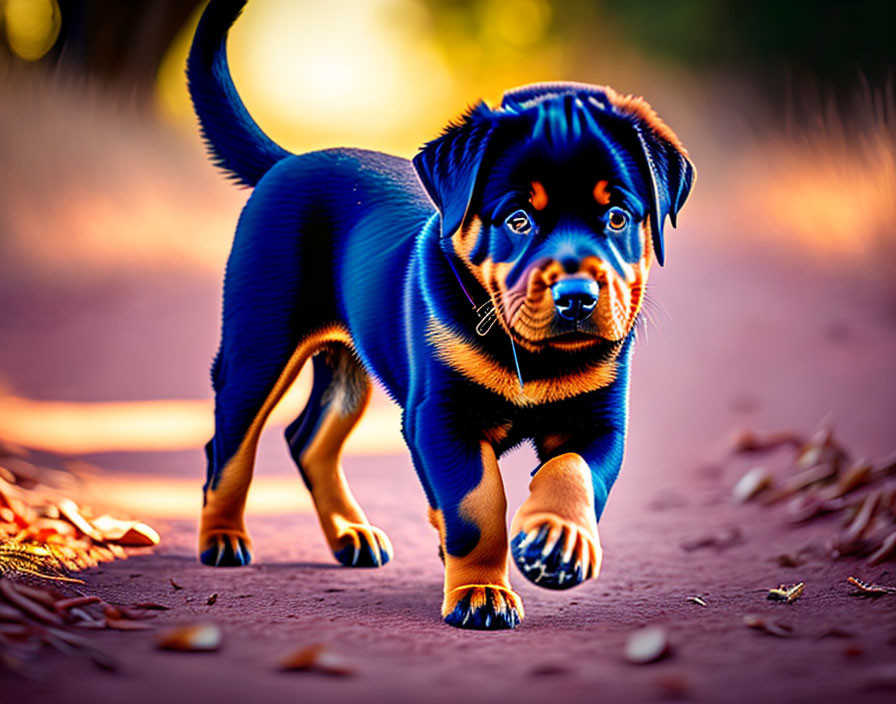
(462, 354)
(562, 498)
(601, 194)
(487, 564)
(539, 197)
(341, 517)
(223, 512)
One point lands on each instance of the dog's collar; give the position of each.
(487, 315)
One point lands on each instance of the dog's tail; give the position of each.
(236, 143)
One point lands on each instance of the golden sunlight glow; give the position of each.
(346, 72)
(71, 428)
(827, 192)
(32, 26)
(153, 497)
(520, 23)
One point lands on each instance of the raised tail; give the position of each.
(236, 143)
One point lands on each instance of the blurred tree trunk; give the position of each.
(119, 43)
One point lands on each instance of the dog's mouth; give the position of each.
(538, 323)
(583, 313)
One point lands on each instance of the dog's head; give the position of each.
(555, 201)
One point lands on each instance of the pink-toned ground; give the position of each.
(752, 337)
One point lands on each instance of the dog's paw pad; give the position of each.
(555, 554)
(226, 550)
(483, 607)
(364, 546)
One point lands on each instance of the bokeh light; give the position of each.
(32, 26)
(356, 71)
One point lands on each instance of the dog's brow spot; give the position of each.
(601, 194)
(539, 196)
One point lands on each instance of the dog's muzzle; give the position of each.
(575, 298)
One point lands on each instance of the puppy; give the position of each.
(492, 286)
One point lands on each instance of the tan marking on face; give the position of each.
(620, 297)
(462, 355)
(601, 194)
(465, 238)
(528, 311)
(538, 196)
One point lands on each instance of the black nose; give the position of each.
(575, 298)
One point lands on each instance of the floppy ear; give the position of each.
(449, 165)
(671, 175)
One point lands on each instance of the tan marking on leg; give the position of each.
(562, 496)
(486, 565)
(341, 517)
(225, 504)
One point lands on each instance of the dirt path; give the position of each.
(749, 341)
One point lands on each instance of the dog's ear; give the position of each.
(448, 166)
(670, 177)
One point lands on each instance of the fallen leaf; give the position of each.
(870, 589)
(747, 441)
(122, 624)
(317, 658)
(198, 637)
(754, 482)
(72, 513)
(151, 606)
(74, 602)
(836, 632)
(772, 628)
(647, 645)
(28, 606)
(788, 560)
(785, 593)
(886, 551)
(130, 533)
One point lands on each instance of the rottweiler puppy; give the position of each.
(492, 286)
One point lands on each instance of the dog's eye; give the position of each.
(617, 219)
(519, 222)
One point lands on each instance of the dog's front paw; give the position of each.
(484, 607)
(225, 549)
(554, 553)
(363, 546)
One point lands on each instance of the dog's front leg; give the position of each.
(468, 508)
(555, 537)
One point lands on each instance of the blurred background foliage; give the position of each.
(782, 48)
(786, 107)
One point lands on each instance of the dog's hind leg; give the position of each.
(245, 395)
(339, 396)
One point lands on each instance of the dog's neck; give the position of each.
(485, 310)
